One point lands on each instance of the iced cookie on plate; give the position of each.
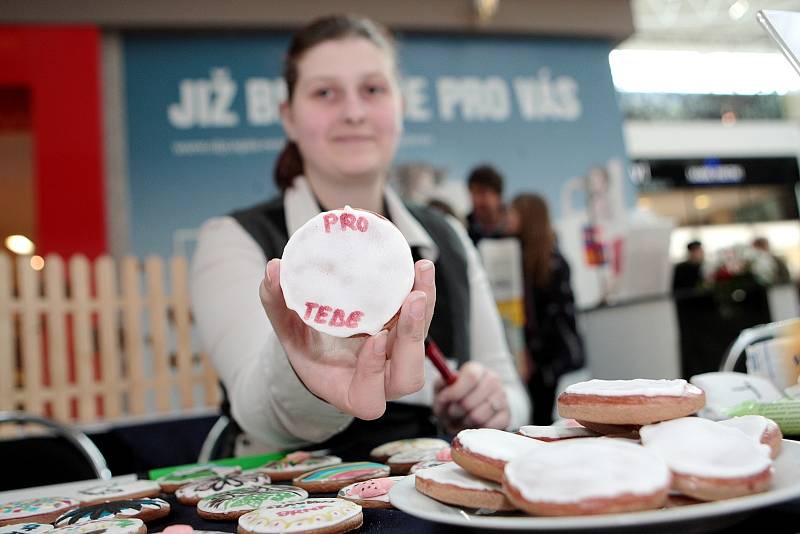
(629, 402)
(485, 451)
(191, 493)
(450, 484)
(555, 433)
(314, 516)
(114, 491)
(383, 452)
(144, 509)
(105, 526)
(334, 478)
(230, 505)
(26, 528)
(295, 464)
(586, 477)
(372, 493)
(180, 477)
(35, 510)
(761, 429)
(425, 465)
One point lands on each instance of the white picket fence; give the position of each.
(84, 342)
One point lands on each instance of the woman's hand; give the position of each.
(475, 400)
(357, 375)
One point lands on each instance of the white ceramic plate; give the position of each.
(785, 487)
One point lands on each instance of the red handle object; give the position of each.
(435, 355)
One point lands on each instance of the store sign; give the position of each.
(674, 173)
(714, 173)
(203, 118)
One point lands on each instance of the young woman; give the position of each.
(289, 385)
(551, 336)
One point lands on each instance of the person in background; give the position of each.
(782, 275)
(290, 386)
(688, 274)
(552, 340)
(488, 216)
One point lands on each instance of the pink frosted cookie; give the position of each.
(387, 450)
(587, 476)
(114, 491)
(180, 477)
(312, 516)
(760, 428)
(710, 461)
(450, 484)
(485, 451)
(105, 526)
(555, 433)
(191, 494)
(347, 272)
(370, 493)
(629, 402)
(296, 464)
(35, 510)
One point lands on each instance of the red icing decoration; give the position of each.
(372, 488)
(329, 219)
(322, 314)
(362, 224)
(309, 308)
(338, 317)
(348, 220)
(443, 455)
(352, 320)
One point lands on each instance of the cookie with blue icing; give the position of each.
(26, 528)
(105, 526)
(35, 510)
(113, 490)
(144, 509)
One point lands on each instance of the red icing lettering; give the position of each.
(309, 308)
(348, 220)
(353, 318)
(322, 314)
(329, 219)
(338, 317)
(362, 224)
(284, 513)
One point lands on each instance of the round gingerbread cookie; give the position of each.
(346, 272)
(230, 505)
(426, 465)
(316, 516)
(296, 464)
(191, 494)
(105, 526)
(144, 509)
(35, 510)
(372, 493)
(180, 477)
(485, 451)
(402, 462)
(113, 491)
(555, 433)
(383, 452)
(450, 484)
(629, 402)
(334, 478)
(26, 528)
(710, 461)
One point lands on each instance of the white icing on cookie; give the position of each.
(414, 456)
(753, 425)
(394, 447)
(35, 506)
(699, 447)
(311, 514)
(496, 444)
(346, 272)
(556, 432)
(103, 526)
(26, 528)
(451, 473)
(572, 470)
(636, 387)
(117, 489)
(425, 465)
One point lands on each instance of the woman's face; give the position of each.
(346, 112)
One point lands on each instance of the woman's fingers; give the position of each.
(425, 281)
(407, 363)
(366, 396)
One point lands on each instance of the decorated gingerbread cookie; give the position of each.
(229, 505)
(346, 272)
(190, 494)
(113, 491)
(372, 493)
(26, 528)
(329, 479)
(485, 451)
(424, 465)
(385, 451)
(180, 477)
(295, 464)
(556, 433)
(35, 510)
(105, 526)
(309, 516)
(144, 509)
(450, 484)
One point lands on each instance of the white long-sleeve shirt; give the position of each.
(267, 398)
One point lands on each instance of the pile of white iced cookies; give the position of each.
(629, 445)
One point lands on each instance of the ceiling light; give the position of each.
(19, 244)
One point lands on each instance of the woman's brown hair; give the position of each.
(290, 162)
(536, 236)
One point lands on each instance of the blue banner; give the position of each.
(204, 130)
